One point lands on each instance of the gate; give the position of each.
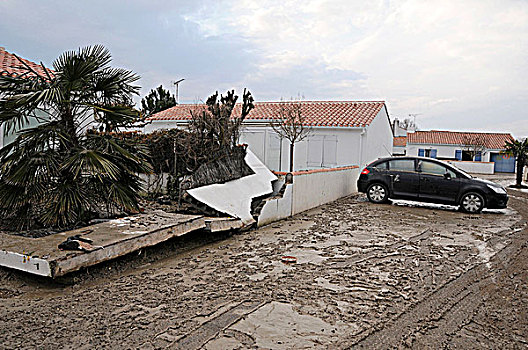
(503, 163)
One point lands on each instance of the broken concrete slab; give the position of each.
(111, 239)
(222, 224)
(234, 197)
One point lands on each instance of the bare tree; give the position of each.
(474, 144)
(290, 124)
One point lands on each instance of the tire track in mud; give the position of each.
(438, 317)
(209, 329)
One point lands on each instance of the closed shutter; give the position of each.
(458, 154)
(478, 157)
(315, 152)
(329, 152)
(421, 152)
(274, 152)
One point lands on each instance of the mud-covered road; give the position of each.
(367, 276)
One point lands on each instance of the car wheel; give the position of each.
(377, 193)
(472, 202)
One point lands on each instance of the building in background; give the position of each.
(342, 133)
(11, 66)
(462, 147)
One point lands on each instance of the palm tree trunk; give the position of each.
(520, 168)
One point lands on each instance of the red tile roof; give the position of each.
(399, 141)
(318, 113)
(11, 66)
(491, 140)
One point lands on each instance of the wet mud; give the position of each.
(366, 276)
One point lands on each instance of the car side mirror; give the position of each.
(447, 176)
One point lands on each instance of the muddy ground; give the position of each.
(367, 276)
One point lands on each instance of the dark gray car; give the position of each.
(429, 180)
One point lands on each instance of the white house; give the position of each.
(342, 133)
(461, 147)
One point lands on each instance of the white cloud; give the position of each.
(436, 58)
(460, 64)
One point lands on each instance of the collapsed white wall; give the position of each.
(235, 197)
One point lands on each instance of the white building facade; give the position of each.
(462, 147)
(342, 133)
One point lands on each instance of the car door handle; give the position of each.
(395, 178)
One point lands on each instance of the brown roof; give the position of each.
(437, 137)
(317, 113)
(399, 141)
(11, 66)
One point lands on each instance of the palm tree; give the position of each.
(70, 167)
(519, 150)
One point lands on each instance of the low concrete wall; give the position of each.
(310, 189)
(475, 167)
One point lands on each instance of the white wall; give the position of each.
(310, 190)
(377, 140)
(159, 124)
(398, 150)
(475, 167)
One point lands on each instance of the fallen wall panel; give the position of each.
(234, 197)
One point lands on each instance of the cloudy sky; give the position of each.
(457, 65)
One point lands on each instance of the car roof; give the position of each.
(434, 160)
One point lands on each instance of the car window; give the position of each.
(435, 169)
(432, 168)
(381, 166)
(402, 165)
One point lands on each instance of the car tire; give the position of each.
(377, 193)
(472, 203)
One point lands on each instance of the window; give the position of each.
(402, 165)
(429, 153)
(467, 156)
(432, 168)
(382, 166)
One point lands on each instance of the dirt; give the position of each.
(367, 276)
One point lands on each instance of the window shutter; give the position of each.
(458, 154)
(433, 153)
(329, 151)
(315, 152)
(478, 157)
(421, 152)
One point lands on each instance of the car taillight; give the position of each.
(365, 171)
